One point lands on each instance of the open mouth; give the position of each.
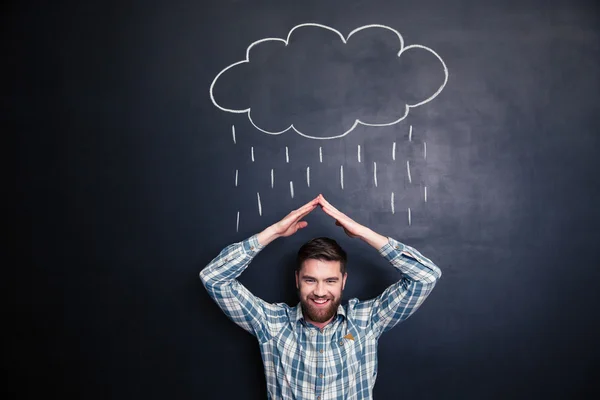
(320, 303)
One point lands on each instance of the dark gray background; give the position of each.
(125, 191)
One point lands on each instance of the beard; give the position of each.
(320, 314)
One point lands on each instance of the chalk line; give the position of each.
(410, 134)
(359, 153)
(392, 201)
(425, 194)
(252, 151)
(375, 173)
(237, 224)
(408, 171)
(394, 151)
(272, 178)
(320, 154)
(287, 155)
(409, 217)
(233, 133)
(292, 189)
(344, 40)
(308, 176)
(342, 176)
(425, 150)
(236, 177)
(259, 205)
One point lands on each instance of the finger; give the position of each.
(325, 202)
(302, 224)
(333, 213)
(298, 215)
(308, 205)
(307, 211)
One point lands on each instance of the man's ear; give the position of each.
(297, 286)
(344, 280)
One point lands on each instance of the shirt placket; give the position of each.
(321, 362)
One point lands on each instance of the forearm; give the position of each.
(230, 263)
(267, 236)
(374, 239)
(410, 262)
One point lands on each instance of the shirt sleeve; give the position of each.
(242, 307)
(400, 300)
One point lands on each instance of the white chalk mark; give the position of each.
(342, 176)
(410, 134)
(375, 173)
(236, 177)
(237, 224)
(292, 189)
(392, 201)
(409, 217)
(408, 171)
(320, 154)
(357, 122)
(425, 194)
(252, 151)
(308, 176)
(425, 150)
(272, 178)
(233, 133)
(394, 151)
(359, 153)
(259, 205)
(287, 155)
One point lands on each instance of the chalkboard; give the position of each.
(150, 135)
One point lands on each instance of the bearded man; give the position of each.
(320, 349)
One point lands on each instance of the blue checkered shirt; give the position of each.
(302, 361)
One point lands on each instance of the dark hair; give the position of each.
(321, 248)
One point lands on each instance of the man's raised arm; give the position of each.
(400, 300)
(219, 276)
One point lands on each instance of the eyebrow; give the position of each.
(333, 278)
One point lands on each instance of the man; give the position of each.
(320, 349)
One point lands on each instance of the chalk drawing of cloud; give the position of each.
(399, 114)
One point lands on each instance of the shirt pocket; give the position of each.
(347, 364)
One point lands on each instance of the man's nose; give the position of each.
(320, 290)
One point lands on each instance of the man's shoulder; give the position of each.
(358, 312)
(281, 312)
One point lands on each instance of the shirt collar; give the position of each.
(300, 316)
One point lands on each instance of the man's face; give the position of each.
(320, 285)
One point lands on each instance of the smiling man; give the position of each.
(320, 349)
(320, 280)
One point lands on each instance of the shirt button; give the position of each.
(341, 342)
(251, 247)
(320, 350)
(318, 397)
(320, 375)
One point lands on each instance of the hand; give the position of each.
(351, 227)
(289, 225)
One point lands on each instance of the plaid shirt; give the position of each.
(301, 361)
